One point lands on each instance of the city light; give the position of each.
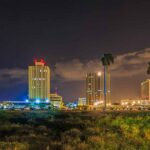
(47, 100)
(99, 73)
(37, 101)
(27, 101)
(98, 102)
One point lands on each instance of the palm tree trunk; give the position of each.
(105, 88)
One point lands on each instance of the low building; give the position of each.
(56, 100)
(82, 101)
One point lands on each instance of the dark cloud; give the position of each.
(10, 77)
(128, 64)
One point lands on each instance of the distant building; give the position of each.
(95, 88)
(91, 88)
(145, 90)
(82, 101)
(56, 100)
(39, 82)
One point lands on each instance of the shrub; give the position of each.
(96, 142)
(13, 146)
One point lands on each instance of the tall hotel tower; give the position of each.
(39, 82)
(92, 91)
(95, 88)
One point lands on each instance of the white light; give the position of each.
(99, 73)
(97, 103)
(47, 100)
(133, 102)
(37, 101)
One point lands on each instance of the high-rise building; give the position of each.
(95, 88)
(92, 88)
(39, 81)
(145, 90)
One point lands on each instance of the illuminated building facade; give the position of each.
(133, 102)
(95, 88)
(39, 82)
(82, 101)
(145, 90)
(56, 100)
(92, 88)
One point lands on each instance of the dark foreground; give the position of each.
(74, 130)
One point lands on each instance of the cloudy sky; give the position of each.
(72, 36)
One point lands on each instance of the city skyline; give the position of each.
(95, 70)
(72, 36)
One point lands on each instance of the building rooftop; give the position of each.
(40, 62)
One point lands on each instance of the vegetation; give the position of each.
(74, 130)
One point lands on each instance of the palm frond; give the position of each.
(148, 70)
(107, 59)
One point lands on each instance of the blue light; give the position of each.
(27, 101)
(37, 101)
(75, 105)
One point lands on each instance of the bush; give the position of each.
(13, 146)
(74, 130)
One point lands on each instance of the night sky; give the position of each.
(72, 36)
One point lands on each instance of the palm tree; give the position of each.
(148, 69)
(106, 60)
